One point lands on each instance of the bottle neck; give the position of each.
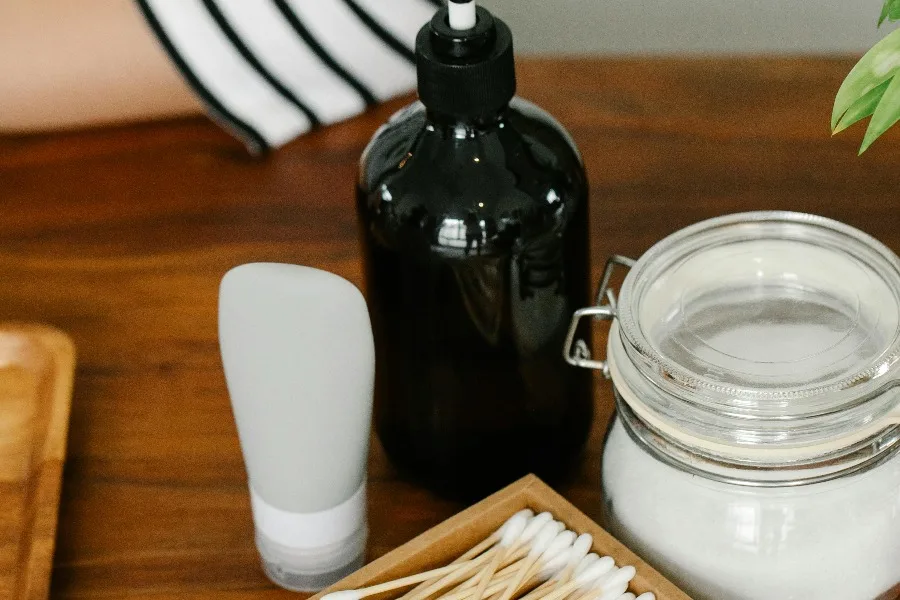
(485, 121)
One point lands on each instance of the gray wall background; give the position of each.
(691, 26)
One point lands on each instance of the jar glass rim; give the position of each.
(755, 397)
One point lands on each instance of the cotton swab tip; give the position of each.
(620, 576)
(581, 547)
(343, 595)
(647, 596)
(525, 513)
(555, 565)
(562, 541)
(586, 562)
(545, 537)
(601, 569)
(513, 529)
(627, 596)
(595, 571)
(535, 525)
(613, 593)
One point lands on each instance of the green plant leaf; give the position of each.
(890, 10)
(878, 65)
(886, 114)
(862, 108)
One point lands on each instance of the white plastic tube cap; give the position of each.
(306, 552)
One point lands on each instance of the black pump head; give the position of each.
(465, 73)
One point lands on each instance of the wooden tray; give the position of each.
(36, 369)
(441, 544)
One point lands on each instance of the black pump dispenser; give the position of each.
(465, 73)
(474, 230)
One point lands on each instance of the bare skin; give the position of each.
(70, 64)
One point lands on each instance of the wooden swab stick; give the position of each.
(552, 574)
(561, 542)
(583, 580)
(518, 551)
(541, 543)
(509, 566)
(522, 515)
(578, 553)
(485, 576)
(513, 527)
(499, 583)
(399, 583)
(452, 578)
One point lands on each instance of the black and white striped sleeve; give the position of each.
(270, 70)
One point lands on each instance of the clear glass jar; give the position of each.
(755, 361)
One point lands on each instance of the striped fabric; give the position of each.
(270, 70)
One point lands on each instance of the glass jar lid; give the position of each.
(783, 326)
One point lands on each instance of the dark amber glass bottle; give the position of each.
(473, 211)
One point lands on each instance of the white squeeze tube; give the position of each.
(299, 361)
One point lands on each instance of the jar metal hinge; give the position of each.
(577, 352)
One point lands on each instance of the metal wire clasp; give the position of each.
(576, 352)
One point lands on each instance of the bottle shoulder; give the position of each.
(525, 137)
(522, 171)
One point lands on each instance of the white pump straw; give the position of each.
(462, 14)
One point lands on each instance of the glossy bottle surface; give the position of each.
(475, 241)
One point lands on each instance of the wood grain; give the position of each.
(37, 365)
(120, 237)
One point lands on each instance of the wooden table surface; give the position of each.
(120, 237)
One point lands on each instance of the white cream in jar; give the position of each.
(756, 449)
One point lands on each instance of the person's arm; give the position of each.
(70, 64)
(265, 70)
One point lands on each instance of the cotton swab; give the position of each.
(606, 568)
(550, 575)
(614, 578)
(528, 531)
(613, 593)
(523, 517)
(587, 561)
(537, 522)
(500, 551)
(561, 543)
(576, 554)
(514, 528)
(399, 583)
(583, 580)
(530, 557)
(541, 543)
(552, 567)
(603, 588)
(580, 549)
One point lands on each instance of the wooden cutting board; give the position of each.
(36, 369)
